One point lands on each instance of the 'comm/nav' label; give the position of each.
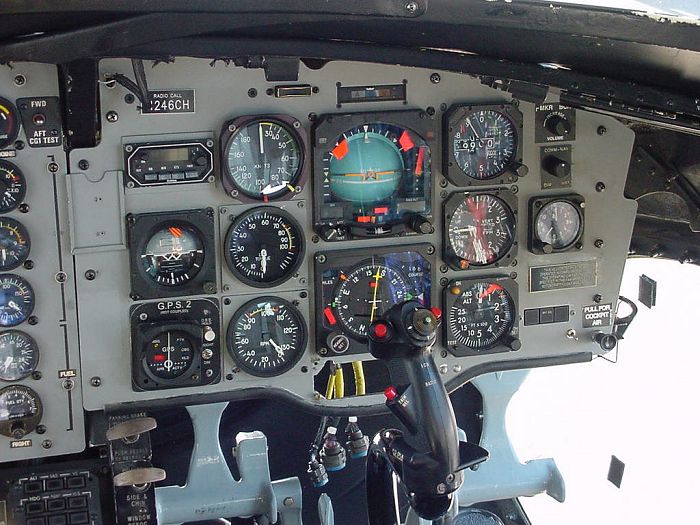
(165, 101)
(563, 276)
(597, 315)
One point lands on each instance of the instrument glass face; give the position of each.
(266, 336)
(484, 144)
(19, 355)
(355, 295)
(13, 186)
(481, 230)
(264, 247)
(16, 300)
(375, 174)
(480, 317)
(9, 123)
(558, 224)
(263, 159)
(14, 243)
(173, 255)
(170, 354)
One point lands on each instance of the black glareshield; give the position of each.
(426, 455)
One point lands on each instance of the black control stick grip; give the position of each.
(427, 455)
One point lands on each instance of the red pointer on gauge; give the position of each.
(492, 288)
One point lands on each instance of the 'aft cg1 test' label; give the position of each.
(165, 101)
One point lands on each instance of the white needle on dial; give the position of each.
(280, 352)
(14, 305)
(260, 136)
(263, 260)
(8, 362)
(168, 362)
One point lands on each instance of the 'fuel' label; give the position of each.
(597, 315)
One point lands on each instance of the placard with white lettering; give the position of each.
(597, 315)
(168, 101)
(563, 276)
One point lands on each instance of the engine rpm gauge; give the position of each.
(264, 246)
(480, 314)
(16, 300)
(480, 229)
(14, 243)
(262, 158)
(173, 254)
(19, 355)
(20, 411)
(266, 336)
(9, 123)
(13, 186)
(169, 354)
(558, 225)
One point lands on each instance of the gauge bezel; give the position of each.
(142, 227)
(457, 113)
(4, 143)
(300, 350)
(295, 128)
(238, 220)
(500, 345)
(537, 204)
(327, 128)
(36, 355)
(23, 230)
(192, 316)
(348, 260)
(31, 422)
(10, 166)
(450, 206)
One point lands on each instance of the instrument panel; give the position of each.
(250, 241)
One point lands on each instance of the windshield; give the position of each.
(680, 8)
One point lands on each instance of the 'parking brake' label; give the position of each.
(597, 315)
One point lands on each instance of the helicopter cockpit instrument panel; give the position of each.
(245, 233)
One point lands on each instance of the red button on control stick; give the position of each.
(436, 312)
(380, 330)
(390, 393)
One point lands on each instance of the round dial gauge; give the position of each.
(366, 292)
(263, 159)
(481, 230)
(369, 163)
(9, 123)
(558, 224)
(264, 247)
(13, 187)
(19, 355)
(484, 144)
(169, 355)
(16, 300)
(14, 243)
(481, 315)
(174, 254)
(266, 336)
(20, 411)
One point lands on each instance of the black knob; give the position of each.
(201, 160)
(420, 224)
(558, 125)
(606, 341)
(514, 343)
(555, 166)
